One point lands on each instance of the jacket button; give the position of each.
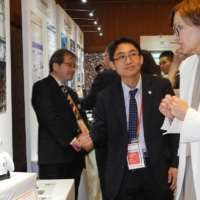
(122, 167)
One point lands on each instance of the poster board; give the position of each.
(5, 80)
(39, 42)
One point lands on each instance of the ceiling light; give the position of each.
(99, 27)
(95, 22)
(84, 0)
(91, 13)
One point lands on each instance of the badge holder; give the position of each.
(135, 157)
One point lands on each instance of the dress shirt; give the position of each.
(138, 98)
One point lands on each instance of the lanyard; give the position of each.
(140, 118)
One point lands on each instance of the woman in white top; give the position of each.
(183, 114)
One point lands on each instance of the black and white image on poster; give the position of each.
(72, 45)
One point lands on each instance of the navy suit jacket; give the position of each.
(110, 127)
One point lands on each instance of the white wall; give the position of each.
(31, 122)
(6, 117)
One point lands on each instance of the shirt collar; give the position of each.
(126, 89)
(59, 83)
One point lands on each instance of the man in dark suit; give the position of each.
(158, 179)
(59, 154)
(101, 81)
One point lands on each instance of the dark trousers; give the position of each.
(62, 171)
(141, 184)
(101, 158)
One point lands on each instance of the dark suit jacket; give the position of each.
(57, 123)
(101, 81)
(111, 127)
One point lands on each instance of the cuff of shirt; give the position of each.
(72, 141)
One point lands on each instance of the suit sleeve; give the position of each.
(99, 130)
(89, 102)
(50, 122)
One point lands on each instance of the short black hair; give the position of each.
(168, 54)
(58, 57)
(97, 67)
(120, 41)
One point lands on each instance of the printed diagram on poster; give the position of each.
(72, 45)
(45, 6)
(51, 40)
(63, 41)
(37, 47)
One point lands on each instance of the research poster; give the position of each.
(2, 58)
(37, 47)
(51, 40)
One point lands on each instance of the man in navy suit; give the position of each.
(157, 152)
(59, 154)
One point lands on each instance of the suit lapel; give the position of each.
(147, 98)
(58, 90)
(117, 98)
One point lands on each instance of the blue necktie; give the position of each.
(133, 116)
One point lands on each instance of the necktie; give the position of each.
(69, 99)
(133, 116)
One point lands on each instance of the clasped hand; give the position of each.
(173, 107)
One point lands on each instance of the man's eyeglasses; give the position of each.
(177, 30)
(71, 65)
(123, 58)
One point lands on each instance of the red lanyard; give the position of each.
(139, 119)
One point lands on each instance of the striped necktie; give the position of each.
(72, 104)
(133, 116)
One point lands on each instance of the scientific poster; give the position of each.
(37, 47)
(51, 40)
(2, 58)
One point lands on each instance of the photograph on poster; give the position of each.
(45, 6)
(2, 21)
(68, 25)
(72, 45)
(2, 87)
(2, 52)
(51, 39)
(63, 41)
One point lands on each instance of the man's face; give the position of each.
(127, 67)
(66, 70)
(165, 65)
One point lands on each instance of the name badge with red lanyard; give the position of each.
(135, 156)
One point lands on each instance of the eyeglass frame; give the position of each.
(125, 57)
(71, 65)
(176, 31)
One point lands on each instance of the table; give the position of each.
(18, 184)
(59, 189)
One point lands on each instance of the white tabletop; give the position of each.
(62, 189)
(18, 184)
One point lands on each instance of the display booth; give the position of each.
(5, 80)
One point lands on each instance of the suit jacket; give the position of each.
(101, 81)
(57, 123)
(111, 127)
